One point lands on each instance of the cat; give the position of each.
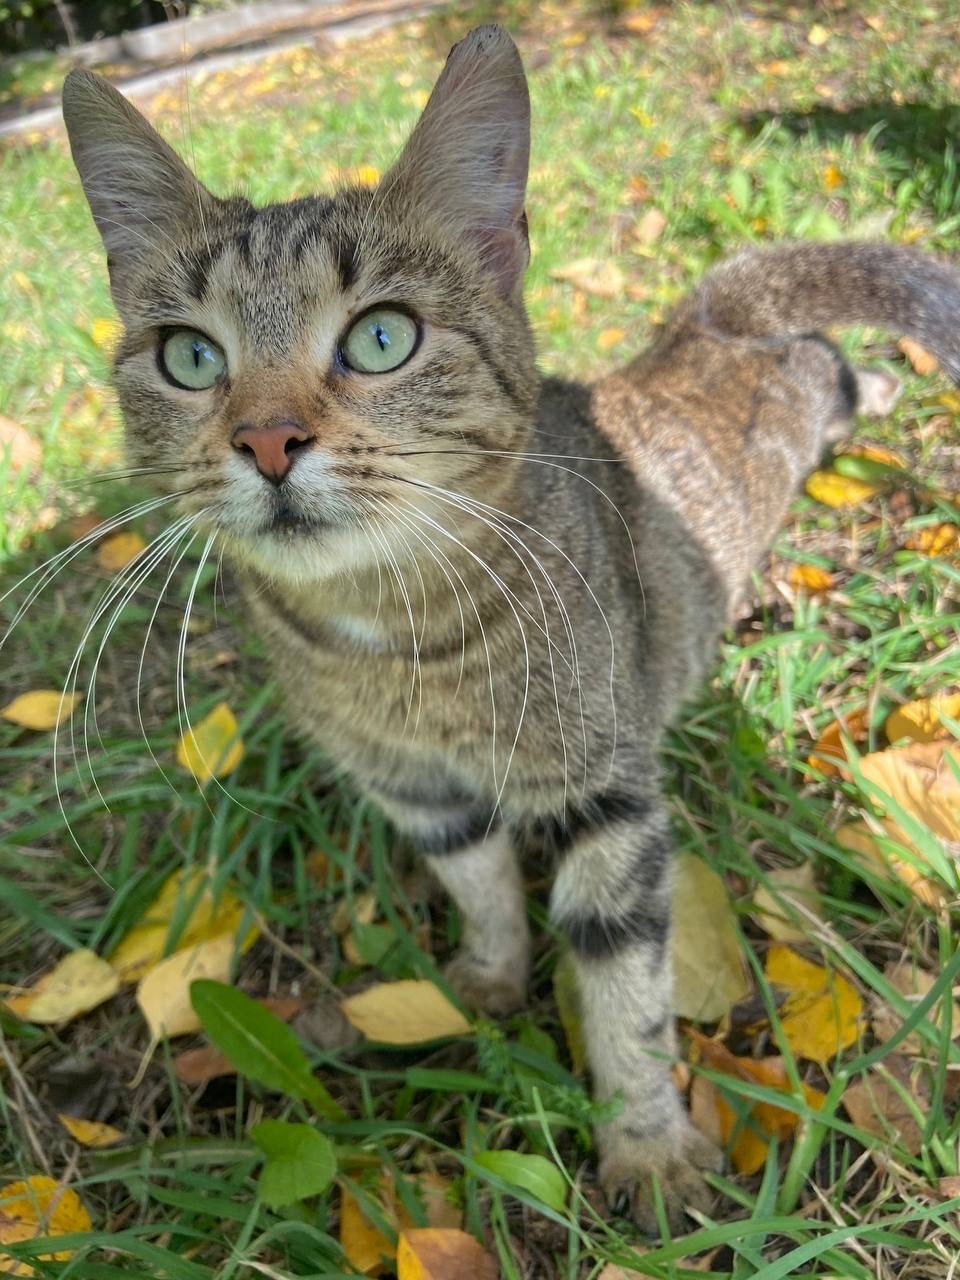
(485, 593)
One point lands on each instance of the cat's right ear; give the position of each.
(139, 190)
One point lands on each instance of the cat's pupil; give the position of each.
(197, 355)
(383, 339)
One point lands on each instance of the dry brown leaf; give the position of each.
(949, 1187)
(913, 983)
(718, 1120)
(920, 779)
(857, 838)
(873, 1103)
(349, 912)
(411, 1011)
(205, 1063)
(828, 755)
(920, 721)
(39, 1206)
(91, 1133)
(189, 898)
(442, 1253)
(164, 993)
(785, 889)
(213, 747)
(18, 449)
(596, 276)
(116, 552)
(709, 974)
(921, 361)
(822, 1011)
(835, 490)
(810, 577)
(40, 708)
(79, 983)
(650, 227)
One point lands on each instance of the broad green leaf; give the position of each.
(533, 1173)
(300, 1161)
(259, 1044)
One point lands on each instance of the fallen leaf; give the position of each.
(39, 1206)
(779, 67)
(567, 997)
(79, 983)
(949, 1187)
(921, 361)
(187, 910)
(936, 540)
(709, 974)
(650, 227)
(786, 888)
(640, 24)
(913, 983)
(106, 333)
(365, 1245)
(834, 490)
(608, 338)
(921, 721)
(818, 35)
(164, 993)
(832, 177)
(91, 1133)
(442, 1253)
(810, 577)
(874, 1104)
(411, 1011)
(822, 1011)
(828, 755)
(367, 1249)
(116, 552)
(18, 449)
(212, 748)
(715, 1116)
(596, 276)
(856, 837)
(919, 778)
(40, 708)
(353, 911)
(207, 1062)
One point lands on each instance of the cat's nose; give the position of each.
(272, 447)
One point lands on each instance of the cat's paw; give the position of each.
(675, 1159)
(488, 988)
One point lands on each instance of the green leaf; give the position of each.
(443, 1081)
(301, 1161)
(258, 1044)
(535, 1174)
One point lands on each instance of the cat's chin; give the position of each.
(298, 553)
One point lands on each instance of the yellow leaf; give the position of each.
(832, 177)
(919, 778)
(40, 1206)
(828, 755)
(776, 903)
(407, 1012)
(106, 333)
(79, 983)
(188, 901)
(708, 968)
(164, 993)
(41, 708)
(592, 275)
(608, 338)
(368, 1249)
(212, 748)
(936, 540)
(567, 998)
(24, 283)
(117, 551)
(856, 837)
(821, 1014)
(810, 577)
(950, 400)
(818, 35)
(920, 721)
(91, 1133)
(834, 490)
(921, 361)
(442, 1253)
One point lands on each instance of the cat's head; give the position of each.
(302, 372)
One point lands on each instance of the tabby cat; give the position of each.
(484, 592)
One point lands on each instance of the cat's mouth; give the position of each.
(285, 518)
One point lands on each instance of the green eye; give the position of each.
(380, 341)
(192, 361)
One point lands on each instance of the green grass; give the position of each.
(738, 129)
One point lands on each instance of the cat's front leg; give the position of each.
(612, 899)
(476, 863)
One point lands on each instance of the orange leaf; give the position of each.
(39, 1206)
(811, 577)
(367, 1248)
(828, 755)
(936, 540)
(919, 778)
(920, 721)
(438, 1253)
(608, 338)
(921, 361)
(116, 552)
(832, 177)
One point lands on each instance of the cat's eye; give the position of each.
(380, 341)
(190, 360)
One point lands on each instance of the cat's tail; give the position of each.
(801, 288)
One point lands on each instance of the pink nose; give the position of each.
(273, 446)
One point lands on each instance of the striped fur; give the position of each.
(486, 593)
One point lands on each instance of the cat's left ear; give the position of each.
(467, 159)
